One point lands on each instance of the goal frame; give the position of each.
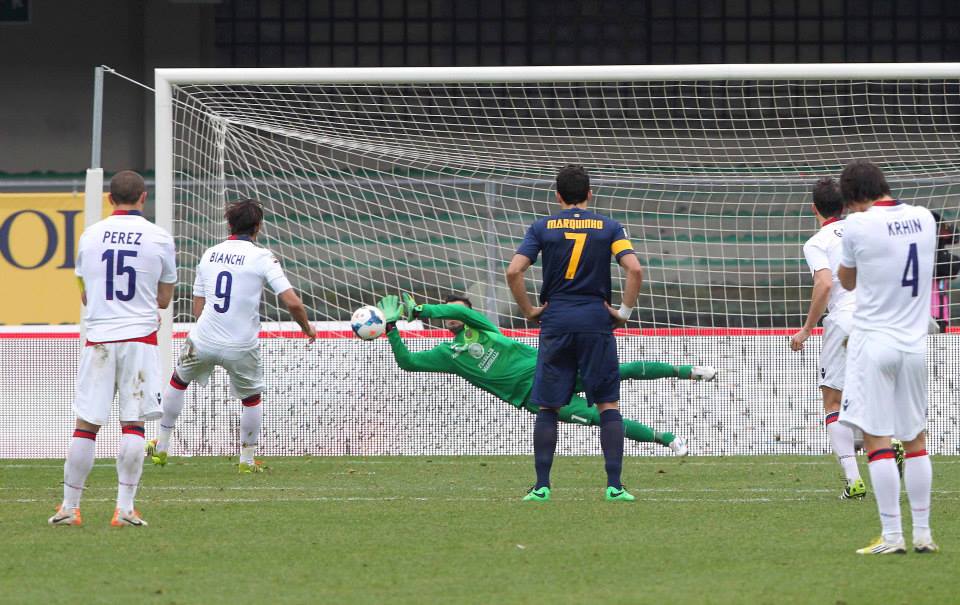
(166, 79)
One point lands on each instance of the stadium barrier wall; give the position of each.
(343, 396)
(39, 233)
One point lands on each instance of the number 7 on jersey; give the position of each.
(579, 241)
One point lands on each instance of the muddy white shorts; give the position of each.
(130, 370)
(833, 354)
(885, 394)
(196, 363)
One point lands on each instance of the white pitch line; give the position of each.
(707, 461)
(417, 499)
(146, 489)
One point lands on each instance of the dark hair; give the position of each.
(573, 183)
(244, 216)
(452, 298)
(827, 198)
(126, 187)
(862, 181)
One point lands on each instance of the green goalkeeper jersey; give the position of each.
(479, 353)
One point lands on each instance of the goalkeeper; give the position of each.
(499, 365)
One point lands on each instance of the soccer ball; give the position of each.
(368, 322)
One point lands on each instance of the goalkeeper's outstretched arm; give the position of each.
(434, 360)
(470, 318)
(437, 359)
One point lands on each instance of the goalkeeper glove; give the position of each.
(411, 310)
(391, 307)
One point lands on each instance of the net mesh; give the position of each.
(428, 188)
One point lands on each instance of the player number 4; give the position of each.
(911, 272)
(579, 240)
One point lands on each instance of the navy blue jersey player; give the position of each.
(576, 321)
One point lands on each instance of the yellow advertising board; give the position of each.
(38, 246)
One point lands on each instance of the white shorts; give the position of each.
(833, 355)
(129, 369)
(244, 367)
(886, 389)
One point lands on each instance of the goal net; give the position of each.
(424, 181)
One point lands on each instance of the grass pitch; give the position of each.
(423, 530)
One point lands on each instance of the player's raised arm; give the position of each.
(168, 272)
(518, 266)
(198, 304)
(298, 311)
(847, 271)
(526, 255)
(164, 294)
(622, 251)
(631, 264)
(821, 252)
(822, 284)
(199, 294)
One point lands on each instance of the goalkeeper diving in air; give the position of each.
(503, 367)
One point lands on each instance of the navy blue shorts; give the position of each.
(563, 356)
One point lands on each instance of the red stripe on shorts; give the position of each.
(150, 339)
(177, 383)
(881, 454)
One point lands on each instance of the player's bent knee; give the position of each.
(916, 444)
(178, 383)
(603, 407)
(83, 425)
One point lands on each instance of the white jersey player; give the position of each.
(230, 279)
(127, 268)
(888, 255)
(822, 252)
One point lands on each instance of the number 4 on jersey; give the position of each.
(911, 272)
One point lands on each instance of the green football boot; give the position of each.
(158, 458)
(898, 453)
(618, 495)
(246, 468)
(537, 495)
(854, 490)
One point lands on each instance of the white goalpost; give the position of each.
(423, 180)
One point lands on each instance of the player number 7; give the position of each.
(579, 240)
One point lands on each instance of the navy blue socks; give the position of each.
(545, 444)
(611, 442)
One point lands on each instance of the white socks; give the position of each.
(886, 487)
(918, 479)
(841, 440)
(129, 466)
(251, 419)
(173, 395)
(77, 466)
